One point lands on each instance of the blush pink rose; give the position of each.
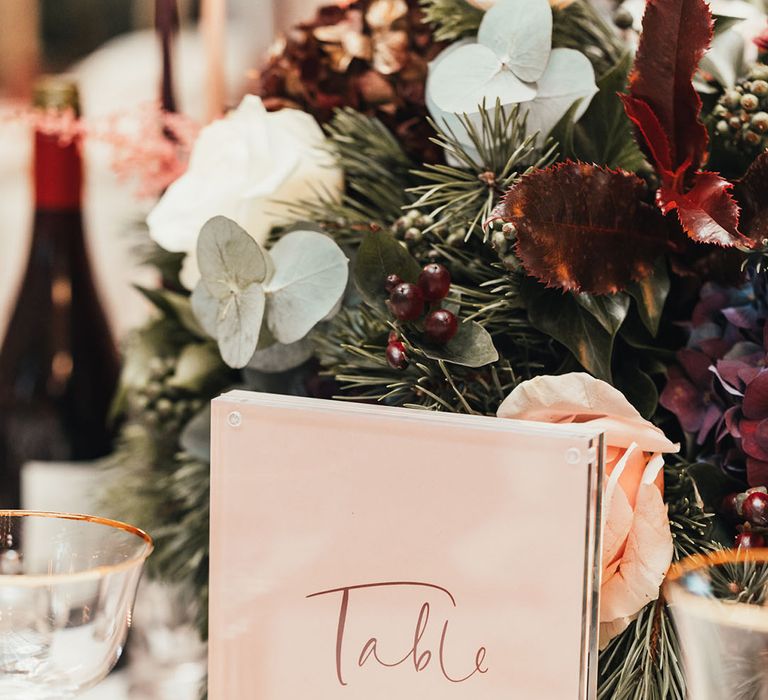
(637, 542)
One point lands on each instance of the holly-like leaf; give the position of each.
(584, 227)
(707, 212)
(379, 255)
(675, 35)
(752, 194)
(472, 346)
(309, 279)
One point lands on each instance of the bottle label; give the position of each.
(58, 173)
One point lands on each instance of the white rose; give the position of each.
(242, 167)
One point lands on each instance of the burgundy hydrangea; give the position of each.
(719, 387)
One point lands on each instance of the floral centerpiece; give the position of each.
(543, 212)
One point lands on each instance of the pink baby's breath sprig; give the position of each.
(149, 146)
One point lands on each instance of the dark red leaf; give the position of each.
(752, 194)
(584, 227)
(654, 140)
(676, 33)
(757, 472)
(707, 212)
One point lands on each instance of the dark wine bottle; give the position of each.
(58, 362)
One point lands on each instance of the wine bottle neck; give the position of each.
(58, 174)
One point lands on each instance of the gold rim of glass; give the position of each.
(724, 612)
(96, 571)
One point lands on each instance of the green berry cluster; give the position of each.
(741, 114)
(159, 404)
(419, 233)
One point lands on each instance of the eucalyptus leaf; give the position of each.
(280, 358)
(472, 346)
(310, 277)
(238, 324)
(228, 258)
(381, 254)
(650, 295)
(205, 307)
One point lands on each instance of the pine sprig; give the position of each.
(376, 171)
(643, 663)
(483, 165)
(451, 19)
(580, 25)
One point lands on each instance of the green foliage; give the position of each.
(292, 287)
(379, 255)
(352, 349)
(452, 19)
(580, 26)
(604, 134)
(377, 171)
(490, 152)
(585, 324)
(643, 663)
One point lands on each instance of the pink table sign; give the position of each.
(370, 553)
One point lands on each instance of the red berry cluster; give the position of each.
(749, 512)
(407, 302)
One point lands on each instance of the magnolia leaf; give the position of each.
(608, 310)
(752, 194)
(379, 255)
(196, 365)
(650, 294)
(519, 32)
(280, 358)
(238, 323)
(576, 224)
(713, 484)
(707, 212)
(675, 35)
(228, 258)
(310, 277)
(638, 387)
(472, 75)
(558, 315)
(472, 346)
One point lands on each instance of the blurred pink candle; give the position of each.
(213, 18)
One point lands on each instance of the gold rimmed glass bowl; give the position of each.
(719, 603)
(67, 587)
